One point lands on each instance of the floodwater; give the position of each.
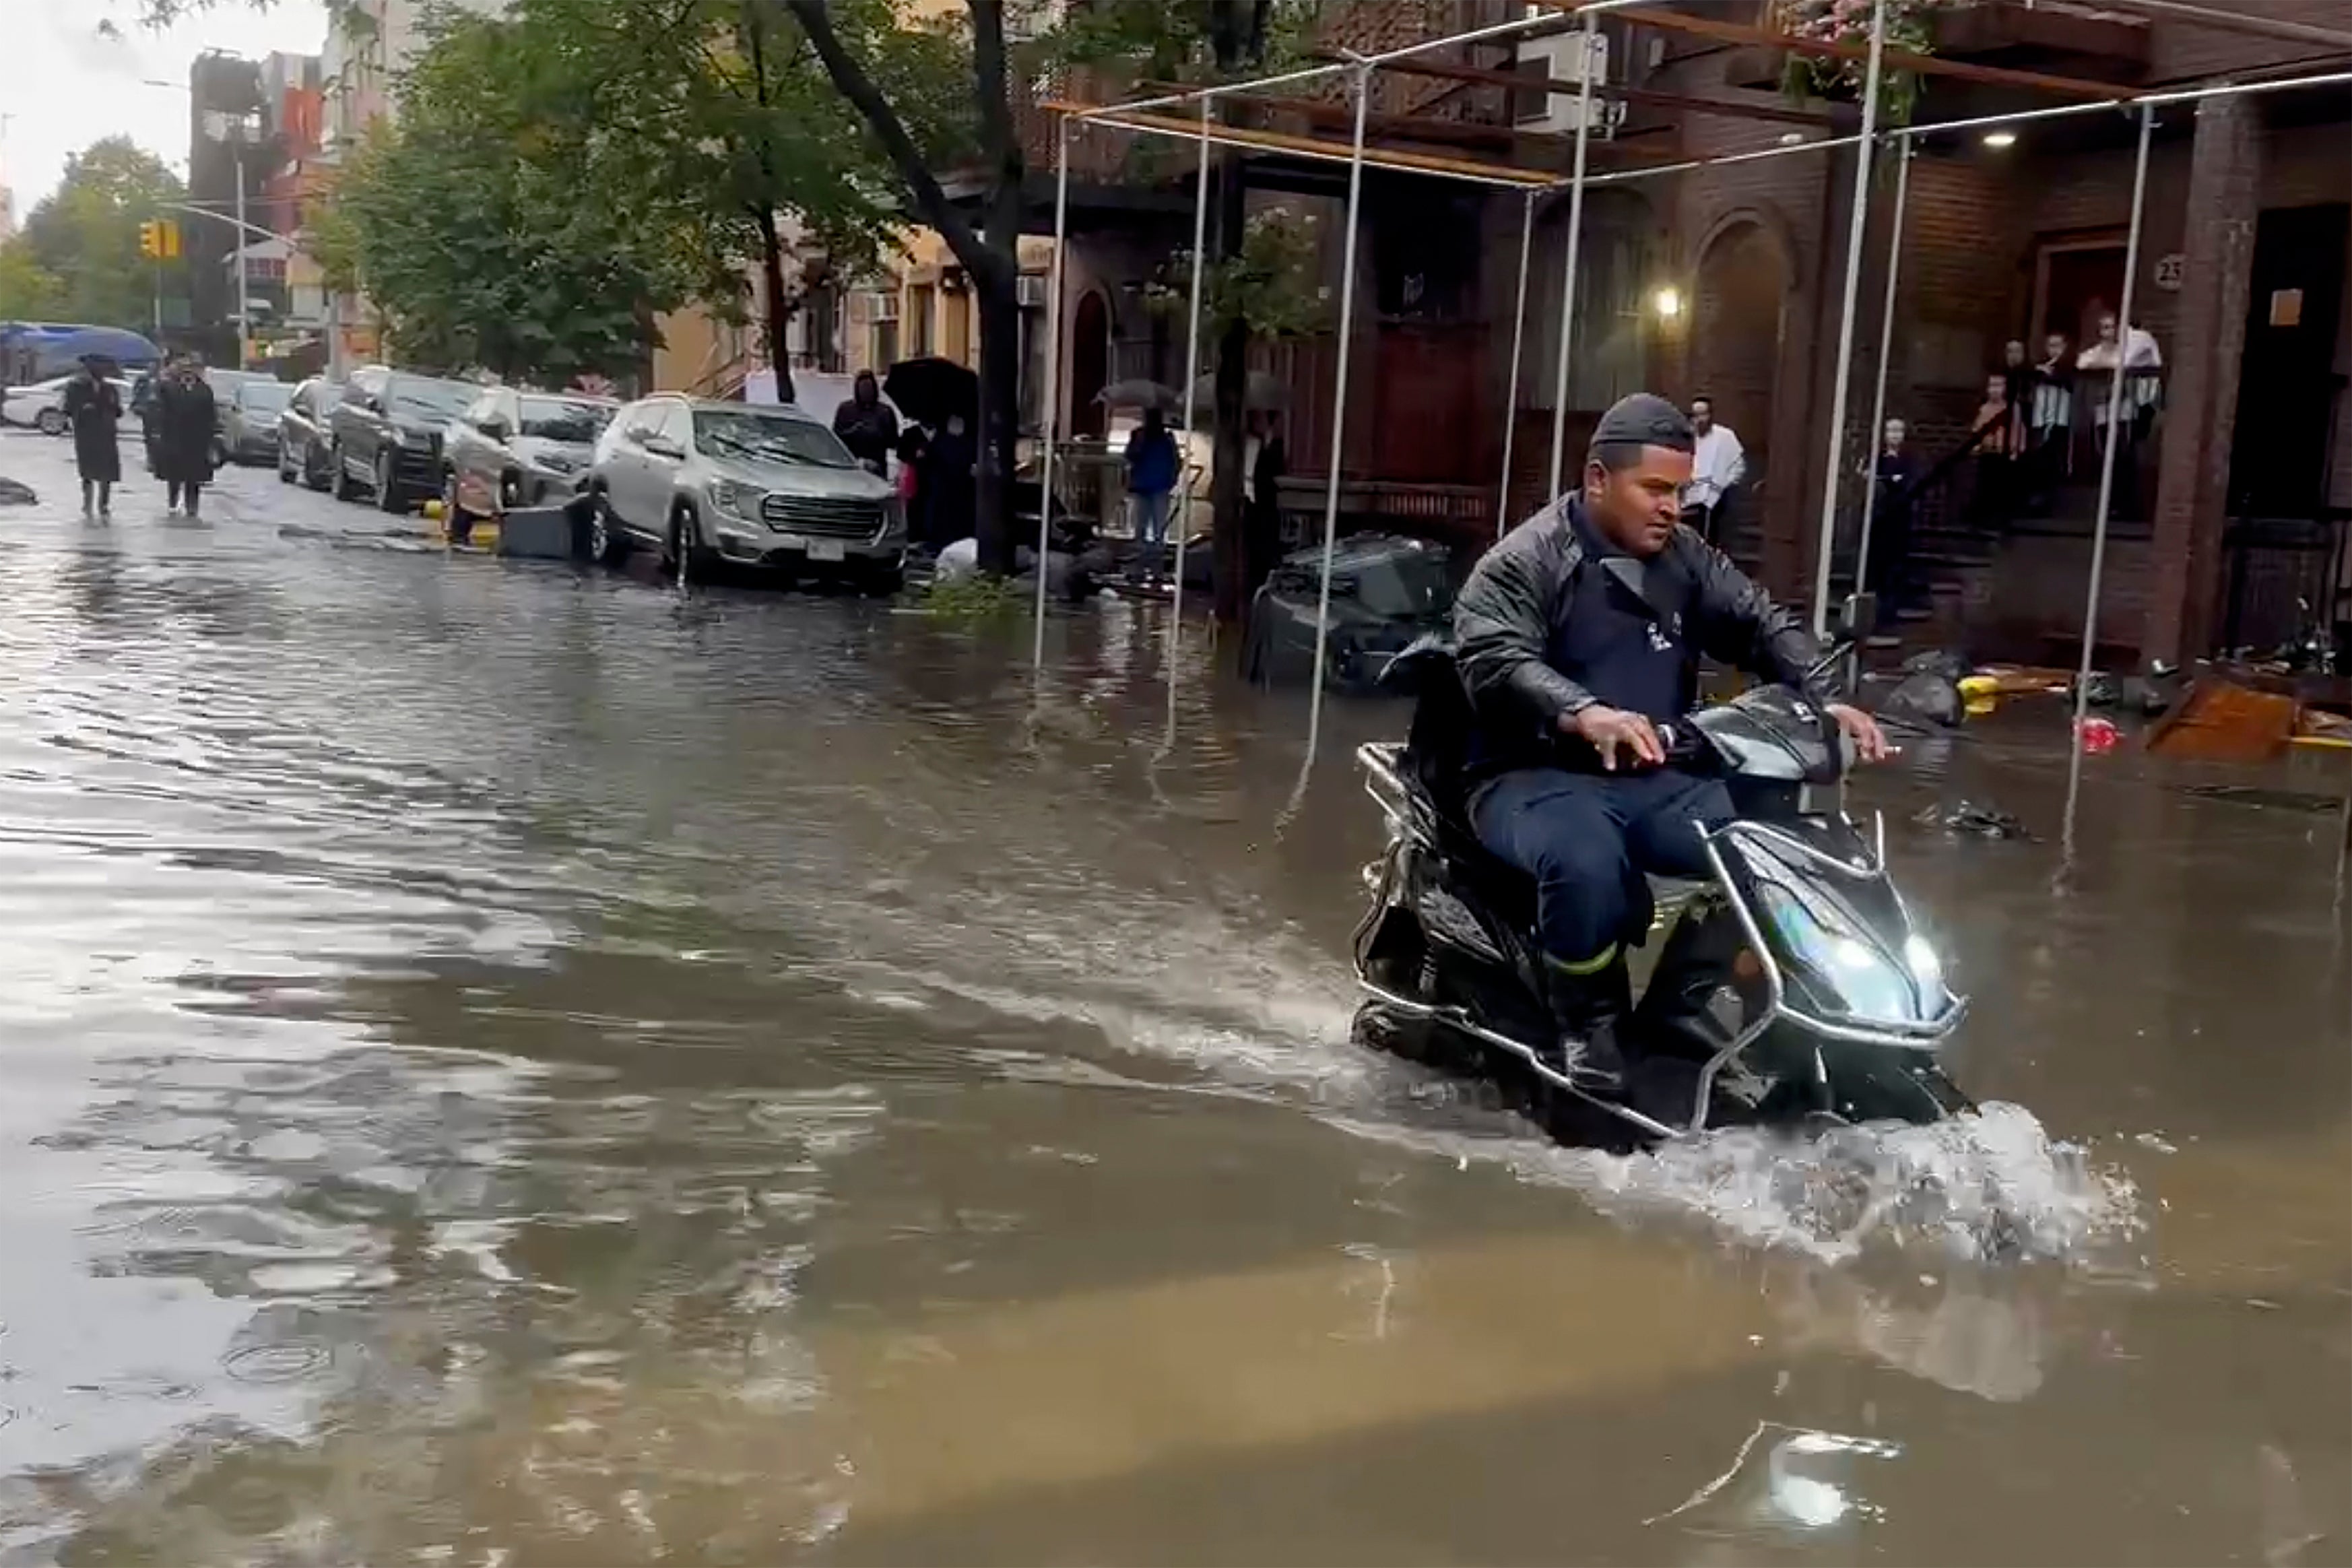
(512, 1065)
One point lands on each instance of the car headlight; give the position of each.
(737, 500)
(894, 516)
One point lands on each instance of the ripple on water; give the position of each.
(285, 1361)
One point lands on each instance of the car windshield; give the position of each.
(1404, 584)
(560, 419)
(264, 396)
(769, 437)
(433, 399)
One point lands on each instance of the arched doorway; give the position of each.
(1738, 332)
(1090, 363)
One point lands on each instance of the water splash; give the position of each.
(1990, 1186)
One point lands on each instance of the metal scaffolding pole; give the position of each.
(1053, 379)
(1511, 387)
(2107, 473)
(1903, 153)
(1855, 223)
(1568, 272)
(1339, 415)
(1183, 523)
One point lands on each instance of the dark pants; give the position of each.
(176, 488)
(1587, 837)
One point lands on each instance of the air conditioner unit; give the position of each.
(1560, 57)
(1030, 290)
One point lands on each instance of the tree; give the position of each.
(85, 237)
(989, 47)
(858, 53)
(28, 290)
(558, 177)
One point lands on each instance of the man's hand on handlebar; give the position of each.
(1869, 740)
(1612, 730)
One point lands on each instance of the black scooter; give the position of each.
(1791, 988)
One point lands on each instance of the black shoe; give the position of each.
(1588, 1009)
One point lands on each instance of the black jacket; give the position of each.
(1504, 618)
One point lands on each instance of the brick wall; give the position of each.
(2179, 49)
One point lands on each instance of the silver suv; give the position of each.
(758, 485)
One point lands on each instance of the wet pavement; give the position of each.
(515, 1065)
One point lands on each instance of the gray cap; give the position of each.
(1645, 419)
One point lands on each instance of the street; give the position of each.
(512, 1063)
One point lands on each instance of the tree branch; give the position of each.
(851, 80)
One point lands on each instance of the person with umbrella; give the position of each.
(1151, 472)
(866, 425)
(188, 416)
(93, 407)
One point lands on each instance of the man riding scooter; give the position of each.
(1577, 634)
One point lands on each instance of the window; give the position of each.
(919, 305)
(774, 438)
(430, 399)
(262, 396)
(558, 419)
(886, 345)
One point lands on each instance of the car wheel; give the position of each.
(50, 422)
(387, 488)
(285, 468)
(882, 579)
(339, 475)
(676, 551)
(509, 492)
(312, 474)
(606, 543)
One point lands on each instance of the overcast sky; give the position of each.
(64, 84)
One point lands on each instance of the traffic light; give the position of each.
(171, 238)
(151, 238)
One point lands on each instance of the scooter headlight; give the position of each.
(1861, 978)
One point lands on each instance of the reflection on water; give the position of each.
(511, 1066)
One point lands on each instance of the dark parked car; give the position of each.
(248, 421)
(384, 436)
(519, 448)
(302, 431)
(1385, 592)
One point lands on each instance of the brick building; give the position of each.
(1727, 281)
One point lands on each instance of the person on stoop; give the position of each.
(1577, 635)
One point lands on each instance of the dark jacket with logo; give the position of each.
(1508, 614)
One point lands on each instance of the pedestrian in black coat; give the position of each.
(93, 407)
(189, 418)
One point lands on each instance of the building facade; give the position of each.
(1728, 281)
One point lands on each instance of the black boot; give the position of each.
(1589, 1008)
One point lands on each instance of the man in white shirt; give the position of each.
(1717, 464)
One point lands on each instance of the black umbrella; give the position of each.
(927, 390)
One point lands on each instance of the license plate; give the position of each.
(824, 550)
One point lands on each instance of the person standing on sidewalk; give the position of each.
(94, 408)
(1151, 465)
(184, 450)
(1719, 463)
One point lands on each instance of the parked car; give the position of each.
(384, 435)
(1385, 592)
(40, 405)
(758, 485)
(248, 419)
(517, 449)
(302, 431)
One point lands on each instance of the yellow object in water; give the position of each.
(1977, 707)
(1980, 688)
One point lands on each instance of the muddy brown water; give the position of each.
(507, 1066)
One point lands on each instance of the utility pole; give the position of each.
(243, 318)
